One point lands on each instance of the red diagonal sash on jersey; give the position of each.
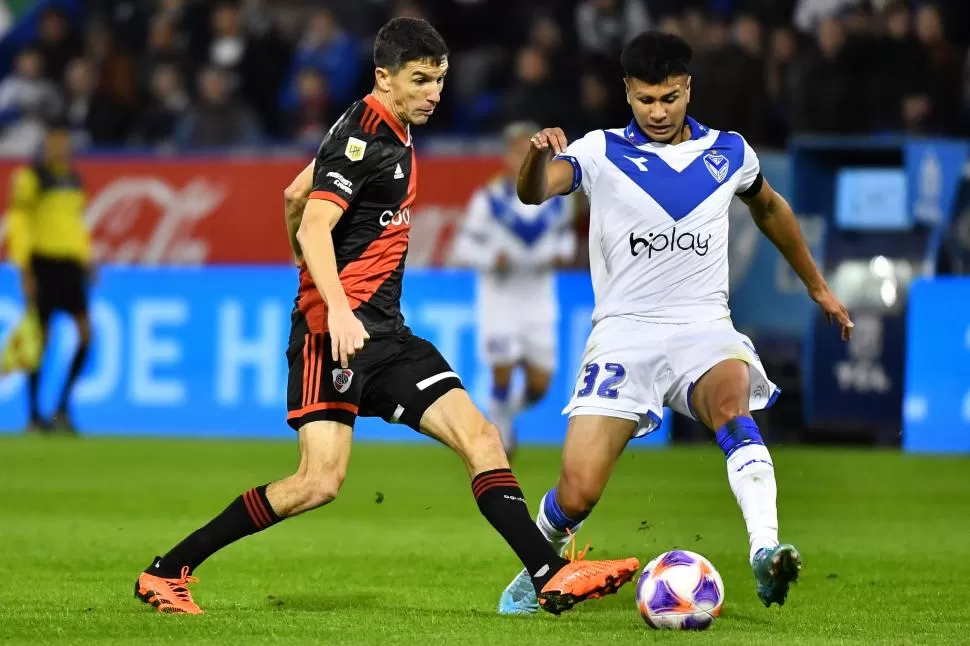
(364, 276)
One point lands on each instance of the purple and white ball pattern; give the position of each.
(680, 590)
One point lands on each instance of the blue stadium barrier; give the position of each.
(936, 404)
(200, 351)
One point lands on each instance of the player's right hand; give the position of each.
(347, 335)
(834, 310)
(547, 138)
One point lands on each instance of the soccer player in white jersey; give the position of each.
(662, 335)
(516, 247)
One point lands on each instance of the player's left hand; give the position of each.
(834, 309)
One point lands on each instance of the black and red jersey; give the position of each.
(366, 165)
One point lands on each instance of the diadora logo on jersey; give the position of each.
(655, 244)
(391, 218)
(342, 378)
(342, 182)
(717, 165)
(355, 149)
(641, 162)
(398, 173)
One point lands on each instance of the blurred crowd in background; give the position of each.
(185, 74)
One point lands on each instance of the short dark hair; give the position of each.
(402, 40)
(655, 56)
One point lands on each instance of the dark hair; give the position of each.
(402, 40)
(654, 56)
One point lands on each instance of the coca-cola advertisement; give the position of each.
(165, 211)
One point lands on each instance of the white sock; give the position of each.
(558, 538)
(502, 411)
(752, 478)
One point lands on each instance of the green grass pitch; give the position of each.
(403, 557)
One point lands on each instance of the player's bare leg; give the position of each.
(593, 445)
(324, 456)
(720, 401)
(454, 420)
(536, 383)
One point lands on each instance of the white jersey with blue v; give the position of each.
(658, 248)
(517, 305)
(659, 220)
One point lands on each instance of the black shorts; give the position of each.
(61, 285)
(396, 378)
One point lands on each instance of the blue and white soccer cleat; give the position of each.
(519, 598)
(774, 569)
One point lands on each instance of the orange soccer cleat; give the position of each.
(579, 580)
(169, 596)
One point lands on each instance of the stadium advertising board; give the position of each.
(200, 351)
(195, 211)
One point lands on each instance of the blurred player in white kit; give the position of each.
(516, 247)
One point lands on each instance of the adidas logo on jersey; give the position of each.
(398, 173)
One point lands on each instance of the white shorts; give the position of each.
(506, 339)
(633, 369)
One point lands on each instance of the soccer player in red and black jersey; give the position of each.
(350, 353)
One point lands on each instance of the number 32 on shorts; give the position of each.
(608, 386)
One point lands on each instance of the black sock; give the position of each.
(501, 502)
(80, 356)
(33, 387)
(247, 514)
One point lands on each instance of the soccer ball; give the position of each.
(680, 590)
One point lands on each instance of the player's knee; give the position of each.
(726, 410)
(578, 494)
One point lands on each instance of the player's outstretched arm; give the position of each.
(294, 201)
(347, 333)
(777, 221)
(542, 177)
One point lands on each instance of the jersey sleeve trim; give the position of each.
(755, 187)
(577, 171)
(330, 197)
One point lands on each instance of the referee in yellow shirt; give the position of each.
(50, 243)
